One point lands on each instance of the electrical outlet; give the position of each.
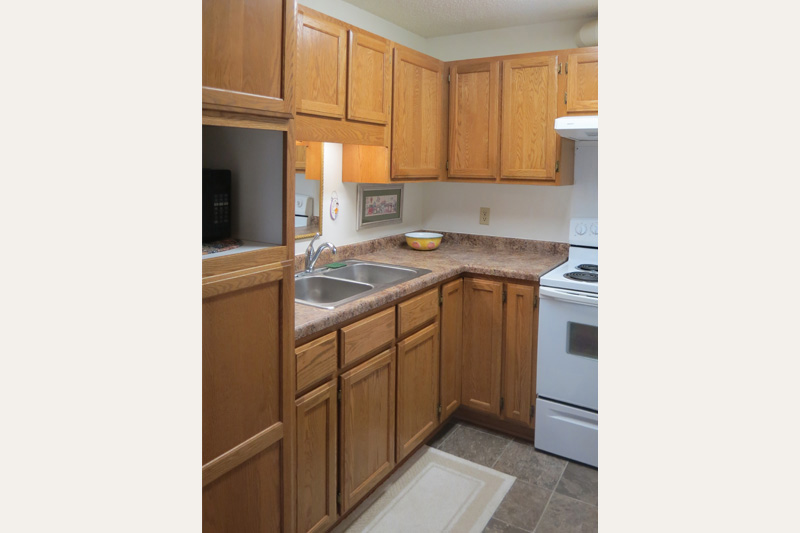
(484, 219)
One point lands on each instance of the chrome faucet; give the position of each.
(312, 255)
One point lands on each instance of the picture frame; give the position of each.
(379, 205)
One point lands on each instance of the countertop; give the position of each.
(458, 253)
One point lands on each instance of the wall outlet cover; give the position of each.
(484, 216)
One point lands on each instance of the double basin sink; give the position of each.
(331, 287)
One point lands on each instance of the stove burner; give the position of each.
(582, 276)
(590, 268)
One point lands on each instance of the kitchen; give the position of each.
(379, 157)
(103, 374)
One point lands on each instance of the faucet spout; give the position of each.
(312, 255)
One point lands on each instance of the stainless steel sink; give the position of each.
(373, 273)
(331, 287)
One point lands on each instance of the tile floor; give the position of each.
(550, 494)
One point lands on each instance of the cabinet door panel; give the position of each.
(369, 79)
(452, 317)
(417, 388)
(474, 120)
(528, 150)
(367, 426)
(518, 373)
(247, 498)
(417, 116)
(316, 459)
(582, 83)
(321, 63)
(482, 345)
(244, 63)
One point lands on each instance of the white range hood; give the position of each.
(582, 128)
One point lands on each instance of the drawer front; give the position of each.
(367, 336)
(566, 431)
(316, 360)
(417, 311)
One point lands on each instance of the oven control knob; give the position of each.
(593, 228)
(580, 229)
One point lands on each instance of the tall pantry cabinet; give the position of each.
(248, 294)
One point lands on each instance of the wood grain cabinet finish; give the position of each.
(316, 459)
(367, 427)
(450, 346)
(316, 361)
(366, 336)
(582, 76)
(482, 345)
(528, 146)
(247, 380)
(418, 116)
(369, 78)
(248, 56)
(321, 64)
(519, 351)
(417, 311)
(417, 389)
(474, 145)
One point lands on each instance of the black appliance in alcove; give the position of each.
(216, 204)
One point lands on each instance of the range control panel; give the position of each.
(583, 232)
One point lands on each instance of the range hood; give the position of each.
(582, 128)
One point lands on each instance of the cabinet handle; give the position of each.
(559, 68)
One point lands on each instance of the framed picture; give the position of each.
(379, 205)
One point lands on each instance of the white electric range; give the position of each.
(566, 370)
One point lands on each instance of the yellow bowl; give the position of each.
(423, 240)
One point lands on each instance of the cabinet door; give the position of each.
(248, 55)
(321, 63)
(518, 372)
(367, 426)
(474, 120)
(482, 345)
(417, 118)
(369, 78)
(450, 373)
(316, 459)
(417, 389)
(582, 84)
(247, 379)
(528, 142)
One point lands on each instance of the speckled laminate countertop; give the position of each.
(458, 254)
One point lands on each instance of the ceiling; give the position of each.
(435, 18)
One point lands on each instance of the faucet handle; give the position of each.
(311, 244)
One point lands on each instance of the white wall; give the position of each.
(343, 229)
(556, 35)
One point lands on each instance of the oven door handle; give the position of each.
(564, 295)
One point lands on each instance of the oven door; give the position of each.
(566, 370)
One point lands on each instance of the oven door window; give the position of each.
(582, 340)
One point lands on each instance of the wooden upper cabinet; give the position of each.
(369, 78)
(519, 350)
(321, 67)
(482, 345)
(528, 150)
(418, 116)
(248, 56)
(581, 72)
(474, 120)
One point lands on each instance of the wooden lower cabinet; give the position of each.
(450, 346)
(482, 345)
(316, 459)
(247, 379)
(417, 389)
(518, 357)
(367, 426)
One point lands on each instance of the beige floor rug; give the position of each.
(433, 492)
